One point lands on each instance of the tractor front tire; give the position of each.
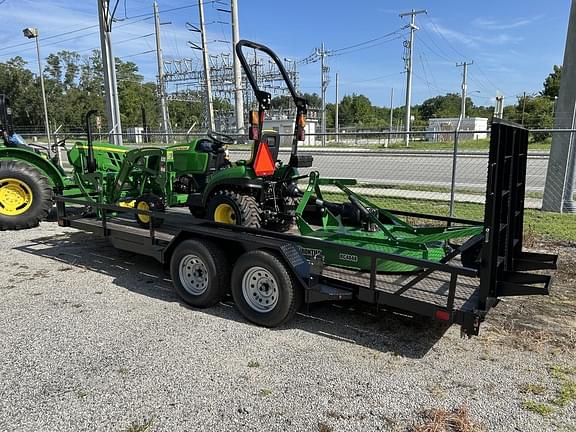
(151, 203)
(234, 208)
(25, 196)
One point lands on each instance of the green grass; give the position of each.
(541, 224)
(538, 407)
(566, 393)
(472, 145)
(534, 389)
(145, 426)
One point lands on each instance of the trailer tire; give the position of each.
(234, 208)
(264, 290)
(25, 196)
(200, 273)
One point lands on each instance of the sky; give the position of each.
(513, 44)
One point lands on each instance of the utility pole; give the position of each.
(391, 115)
(238, 93)
(408, 64)
(205, 56)
(560, 186)
(499, 109)
(336, 119)
(324, 77)
(33, 33)
(523, 107)
(464, 65)
(109, 65)
(161, 84)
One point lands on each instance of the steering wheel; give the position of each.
(221, 138)
(61, 143)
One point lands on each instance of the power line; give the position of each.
(425, 75)
(369, 41)
(400, 36)
(138, 54)
(144, 16)
(375, 78)
(442, 54)
(438, 53)
(439, 32)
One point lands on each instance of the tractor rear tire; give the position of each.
(25, 196)
(234, 208)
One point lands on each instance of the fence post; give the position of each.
(454, 164)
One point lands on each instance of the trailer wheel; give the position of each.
(151, 203)
(264, 290)
(234, 208)
(25, 196)
(200, 273)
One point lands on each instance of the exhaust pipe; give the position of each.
(90, 160)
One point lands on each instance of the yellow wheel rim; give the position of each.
(225, 214)
(15, 197)
(143, 205)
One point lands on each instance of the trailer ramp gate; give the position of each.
(459, 289)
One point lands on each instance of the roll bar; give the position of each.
(264, 98)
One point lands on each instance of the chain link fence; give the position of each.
(431, 175)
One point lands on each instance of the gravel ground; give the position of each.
(95, 339)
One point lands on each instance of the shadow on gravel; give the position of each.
(351, 322)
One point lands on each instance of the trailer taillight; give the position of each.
(442, 315)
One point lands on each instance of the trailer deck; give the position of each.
(459, 289)
(434, 289)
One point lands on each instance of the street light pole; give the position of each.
(32, 33)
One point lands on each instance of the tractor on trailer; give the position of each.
(353, 251)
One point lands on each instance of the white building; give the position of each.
(285, 127)
(439, 128)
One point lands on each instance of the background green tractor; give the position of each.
(29, 177)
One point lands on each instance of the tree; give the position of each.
(552, 83)
(23, 89)
(314, 101)
(281, 102)
(356, 110)
(444, 106)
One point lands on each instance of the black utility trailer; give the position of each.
(271, 274)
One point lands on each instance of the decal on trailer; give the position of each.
(348, 257)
